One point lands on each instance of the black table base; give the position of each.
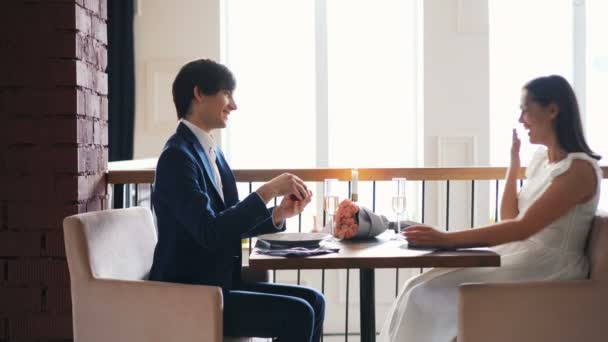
(367, 296)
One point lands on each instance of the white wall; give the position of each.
(456, 100)
(167, 35)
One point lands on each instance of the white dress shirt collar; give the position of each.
(206, 139)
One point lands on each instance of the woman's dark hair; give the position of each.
(555, 89)
(209, 76)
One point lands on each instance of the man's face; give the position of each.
(215, 109)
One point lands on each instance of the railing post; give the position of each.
(118, 196)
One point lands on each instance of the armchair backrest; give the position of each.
(110, 244)
(597, 248)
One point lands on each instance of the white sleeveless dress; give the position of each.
(426, 310)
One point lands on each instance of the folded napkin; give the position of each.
(263, 247)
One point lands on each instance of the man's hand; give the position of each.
(284, 185)
(289, 208)
(427, 236)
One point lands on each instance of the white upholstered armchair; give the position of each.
(543, 311)
(109, 256)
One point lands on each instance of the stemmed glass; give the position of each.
(398, 200)
(330, 203)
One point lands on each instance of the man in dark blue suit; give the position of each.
(201, 220)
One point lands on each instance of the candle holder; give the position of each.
(354, 193)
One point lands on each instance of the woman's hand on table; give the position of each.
(422, 235)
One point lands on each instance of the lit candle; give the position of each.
(354, 185)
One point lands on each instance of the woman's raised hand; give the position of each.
(515, 146)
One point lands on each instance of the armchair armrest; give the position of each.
(121, 310)
(533, 311)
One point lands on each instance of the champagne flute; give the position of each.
(398, 200)
(330, 203)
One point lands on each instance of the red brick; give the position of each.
(22, 131)
(22, 101)
(65, 159)
(104, 133)
(83, 20)
(65, 101)
(43, 272)
(86, 49)
(104, 108)
(26, 159)
(36, 160)
(66, 187)
(91, 159)
(70, 130)
(94, 204)
(55, 245)
(103, 164)
(64, 72)
(16, 244)
(3, 220)
(58, 300)
(77, 73)
(37, 102)
(97, 133)
(80, 187)
(99, 29)
(27, 187)
(93, 105)
(63, 130)
(102, 58)
(103, 9)
(92, 5)
(101, 83)
(47, 326)
(20, 300)
(62, 15)
(91, 186)
(60, 44)
(47, 215)
(3, 328)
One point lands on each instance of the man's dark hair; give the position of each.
(555, 89)
(209, 76)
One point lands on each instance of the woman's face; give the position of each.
(537, 119)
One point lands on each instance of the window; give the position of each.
(597, 82)
(318, 87)
(526, 41)
(270, 48)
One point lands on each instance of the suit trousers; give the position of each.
(286, 312)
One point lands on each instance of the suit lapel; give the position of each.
(231, 195)
(184, 131)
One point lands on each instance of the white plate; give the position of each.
(293, 239)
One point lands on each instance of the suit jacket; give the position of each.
(199, 235)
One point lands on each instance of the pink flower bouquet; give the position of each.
(346, 221)
(352, 221)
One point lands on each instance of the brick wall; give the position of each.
(53, 153)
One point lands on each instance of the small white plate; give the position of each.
(294, 239)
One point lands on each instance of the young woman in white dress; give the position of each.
(543, 228)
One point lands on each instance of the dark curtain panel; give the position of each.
(121, 79)
(121, 85)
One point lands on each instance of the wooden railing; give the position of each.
(142, 172)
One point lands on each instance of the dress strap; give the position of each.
(563, 165)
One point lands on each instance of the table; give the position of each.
(381, 252)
